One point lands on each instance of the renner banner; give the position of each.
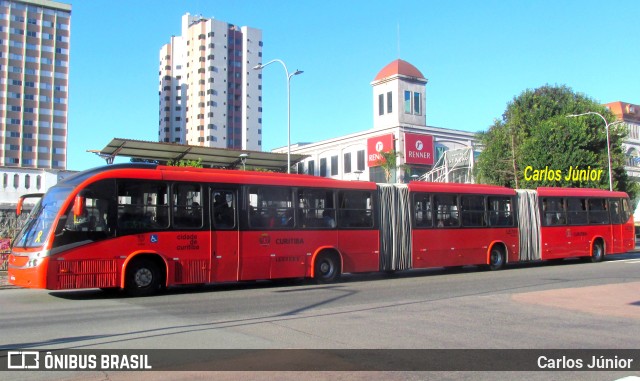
(383, 143)
(418, 149)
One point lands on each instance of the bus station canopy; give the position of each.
(209, 157)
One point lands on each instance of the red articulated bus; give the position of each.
(143, 227)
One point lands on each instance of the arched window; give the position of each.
(27, 181)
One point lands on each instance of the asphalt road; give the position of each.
(570, 305)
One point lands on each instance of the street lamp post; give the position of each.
(289, 75)
(606, 125)
(243, 160)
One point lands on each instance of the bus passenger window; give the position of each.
(223, 209)
(577, 211)
(316, 208)
(271, 208)
(142, 206)
(187, 206)
(598, 211)
(553, 211)
(327, 219)
(499, 211)
(446, 208)
(355, 209)
(617, 215)
(422, 211)
(472, 210)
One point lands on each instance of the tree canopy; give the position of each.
(536, 143)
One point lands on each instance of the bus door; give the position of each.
(446, 246)
(473, 248)
(617, 225)
(578, 229)
(225, 238)
(555, 232)
(358, 239)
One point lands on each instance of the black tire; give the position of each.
(597, 254)
(496, 258)
(143, 278)
(326, 268)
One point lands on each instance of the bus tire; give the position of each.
(326, 268)
(597, 253)
(496, 258)
(143, 277)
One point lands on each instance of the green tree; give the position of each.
(389, 163)
(185, 163)
(535, 133)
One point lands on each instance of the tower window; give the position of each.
(416, 103)
(407, 102)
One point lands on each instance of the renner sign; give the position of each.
(383, 143)
(418, 149)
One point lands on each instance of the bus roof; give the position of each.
(422, 186)
(224, 176)
(260, 178)
(578, 192)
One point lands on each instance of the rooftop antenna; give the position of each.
(398, 39)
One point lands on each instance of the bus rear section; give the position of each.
(447, 225)
(580, 222)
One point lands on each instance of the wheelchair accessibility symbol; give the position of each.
(153, 238)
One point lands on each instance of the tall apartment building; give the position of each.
(34, 83)
(209, 93)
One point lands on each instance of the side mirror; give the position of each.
(19, 207)
(79, 206)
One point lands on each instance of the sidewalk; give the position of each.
(4, 281)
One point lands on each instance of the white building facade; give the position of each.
(209, 94)
(16, 182)
(399, 124)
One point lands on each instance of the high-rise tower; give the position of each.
(209, 94)
(34, 83)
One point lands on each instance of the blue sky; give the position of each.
(477, 56)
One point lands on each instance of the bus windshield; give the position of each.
(41, 219)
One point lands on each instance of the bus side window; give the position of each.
(355, 209)
(142, 205)
(271, 207)
(187, 206)
(472, 210)
(446, 208)
(224, 206)
(553, 211)
(499, 211)
(577, 211)
(626, 210)
(423, 215)
(617, 214)
(598, 211)
(316, 208)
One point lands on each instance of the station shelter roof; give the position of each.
(210, 157)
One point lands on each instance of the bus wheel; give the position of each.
(597, 255)
(143, 278)
(496, 258)
(327, 268)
